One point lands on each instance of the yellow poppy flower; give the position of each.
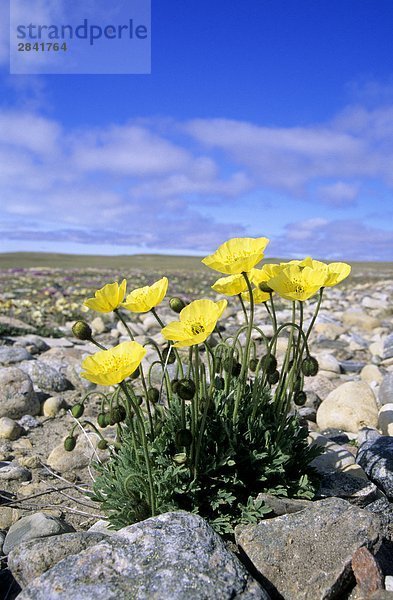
(107, 298)
(237, 255)
(336, 273)
(258, 295)
(231, 285)
(108, 367)
(197, 321)
(295, 282)
(145, 298)
(310, 262)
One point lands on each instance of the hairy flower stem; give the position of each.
(280, 395)
(100, 346)
(246, 356)
(160, 322)
(298, 351)
(121, 318)
(195, 410)
(243, 307)
(142, 432)
(315, 314)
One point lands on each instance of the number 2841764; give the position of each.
(42, 47)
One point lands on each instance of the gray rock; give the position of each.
(31, 559)
(9, 323)
(28, 422)
(44, 376)
(307, 555)
(2, 538)
(384, 509)
(388, 347)
(17, 396)
(385, 394)
(356, 490)
(67, 361)
(175, 556)
(32, 340)
(351, 366)
(9, 429)
(283, 506)
(320, 385)
(11, 471)
(10, 355)
(375, 456)
(37, 525)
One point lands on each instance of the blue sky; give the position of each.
(260, 118)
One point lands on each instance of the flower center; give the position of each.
(234, 256)
(299, 289)
(197, 328)
(112, 363)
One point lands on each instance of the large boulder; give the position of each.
(307, 555)
(173, 556)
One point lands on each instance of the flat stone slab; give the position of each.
(307, 555)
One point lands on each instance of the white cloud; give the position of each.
(31, 132)
(358, 143)
(338, 194)
(336, 239)
(144, 183)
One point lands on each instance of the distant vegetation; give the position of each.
(152, 262)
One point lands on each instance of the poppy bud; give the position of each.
(253, 364)
(180, 459)
(171, 358)
(300, 398)
(185, 389)
(263, 286)
(153, 395)
(232, 366)
(101, 420)
(177, 304)
(102, 444)
(310, 366)
(118, 413)
(219, 383)
(273, 378)
(269, 363)
(77, 410)
(82, 330)
(69, 443)
(183, 438)
(108, 419)
(174, 384)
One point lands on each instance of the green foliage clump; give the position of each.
(259, 452)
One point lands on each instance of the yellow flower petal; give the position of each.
(231, 285)
(258, 295)
(196, 322)
(108, 298)
(295, 282)
(108, 367)
(336, 273)
(237, 255)
(144, 299)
